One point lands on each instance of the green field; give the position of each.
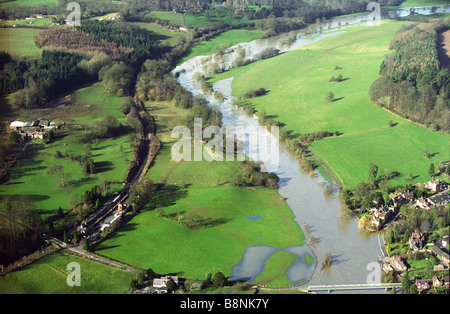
(32, 22)
(298, 82)
(229, 38)
(19, 42)
(49, 276)
(41, 178)
(201, 191)
(26, 3)
(418, 3)
(198, 19)
(166, 37)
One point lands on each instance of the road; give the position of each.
(78, 251)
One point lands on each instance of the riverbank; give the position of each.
(197, 211)
(362, 127)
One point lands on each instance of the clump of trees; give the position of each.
(329, 97)
(117, 78)
(255, 93)
(253, 176)
(412, 81)
(141, 193)
(336, 79)
(308, 138)
(35, 82)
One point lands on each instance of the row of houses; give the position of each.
(443, 257)
(378, 216)
(417, 242)
(437, 281)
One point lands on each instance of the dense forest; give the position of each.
(413, 83)
(116, 48)
(71, 39)
(37, 81)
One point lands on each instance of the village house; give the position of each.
(442, 198)
(161, 283)
(441, 255)
(423, 203)
(434, 185)
(381, 215)
(416, 241)
(441, 281)
(397, 262)
(402, 197)
(438, 267)
(423, 284)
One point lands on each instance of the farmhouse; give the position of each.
(31, 129)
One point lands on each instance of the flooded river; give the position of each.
(336, 231)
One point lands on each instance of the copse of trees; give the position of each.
(117, 78)
(255, 93)
(413, 83)
(255, 177)
(55, 72)
(106, 128)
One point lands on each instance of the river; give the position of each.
(354, 251)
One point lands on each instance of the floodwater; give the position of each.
(333, 228)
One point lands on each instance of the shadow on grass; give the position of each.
(80, 182)
(103, 166)
(166, 195)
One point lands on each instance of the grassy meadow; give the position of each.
(198, 19)
(229, 38)
(19, 42)
(298, 82)
(165, 36)
(47, 181)
(25, 2)
(201, 192)
(49, 276)
(418, 3)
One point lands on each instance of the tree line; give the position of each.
(412, 81)
(72, 39)
(41, 80)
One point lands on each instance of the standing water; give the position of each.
(353, 250)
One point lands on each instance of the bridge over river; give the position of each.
(330, 288)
